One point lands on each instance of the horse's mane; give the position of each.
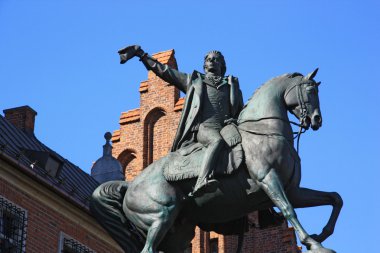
(286, 75)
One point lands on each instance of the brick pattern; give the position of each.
(147, 133)
(44, 224)
(22, 117)
(274, 239)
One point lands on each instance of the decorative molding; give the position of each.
(130, 116)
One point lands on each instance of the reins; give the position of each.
(302, 117)
(297, 134)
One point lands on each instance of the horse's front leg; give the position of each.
(271, 184)
(303, 197)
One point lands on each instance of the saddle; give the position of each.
(186, 162)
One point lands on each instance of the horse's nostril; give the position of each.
(317, 119)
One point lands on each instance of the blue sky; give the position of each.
(59, 57)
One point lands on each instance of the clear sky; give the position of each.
(60, 58)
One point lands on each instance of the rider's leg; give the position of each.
(303, 197)
(213, 141)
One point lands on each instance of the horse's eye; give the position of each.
(310, 89)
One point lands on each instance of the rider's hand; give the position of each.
(129, 52)
(129, 49)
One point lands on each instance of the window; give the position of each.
(214, 245)
(50, 163)
(70, 245)
(12, 227)
(150, 135)
(127, 158)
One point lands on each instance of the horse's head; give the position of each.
(302, 100)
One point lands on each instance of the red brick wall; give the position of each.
(274, 239)
(160, 103)
(44, 224)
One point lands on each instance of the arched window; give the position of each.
(214, 245)
(155, 139)
(128, 160)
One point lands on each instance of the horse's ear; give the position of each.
(311, 75)
(318, 84)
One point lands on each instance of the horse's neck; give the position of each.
(266, 112)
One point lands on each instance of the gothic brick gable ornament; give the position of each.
(151, 214)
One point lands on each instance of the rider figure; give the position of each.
(212, 101)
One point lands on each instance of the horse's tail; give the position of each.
(107, 207)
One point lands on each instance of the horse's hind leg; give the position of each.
(303, 197)
(106, 206)
(156, 218)
(178, 239)
(157, 231)
(152, 205)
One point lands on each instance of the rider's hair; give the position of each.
(220, 55)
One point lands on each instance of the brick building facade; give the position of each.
(146, 134)
(43, 197)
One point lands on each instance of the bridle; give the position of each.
(301, 101)
(304, 110)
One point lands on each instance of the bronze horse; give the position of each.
(150, 214)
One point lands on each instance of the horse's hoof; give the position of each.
(320, 250)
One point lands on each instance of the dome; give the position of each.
(107, 168)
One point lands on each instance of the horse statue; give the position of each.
(151, 214)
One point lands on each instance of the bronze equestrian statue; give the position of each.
(152, 213)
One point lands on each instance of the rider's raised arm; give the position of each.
(170, 75)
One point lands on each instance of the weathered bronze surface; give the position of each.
(151, 214)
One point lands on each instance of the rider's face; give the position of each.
(213, 64)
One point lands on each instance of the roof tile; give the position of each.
(13, 143)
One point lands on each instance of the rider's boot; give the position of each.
(206, 182)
